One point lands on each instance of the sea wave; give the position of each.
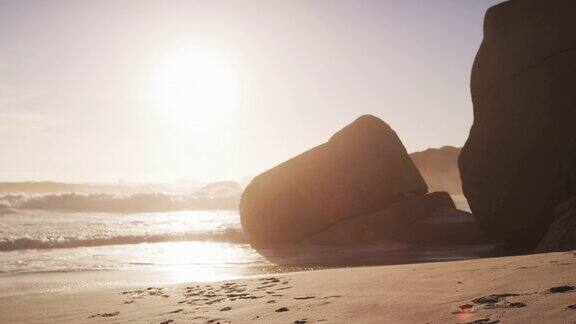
(229, 235)
(134, 203)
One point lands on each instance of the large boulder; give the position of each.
(361, 169)
(520, 159)
(562, 233)
(394, 221)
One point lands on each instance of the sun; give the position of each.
(196, 88)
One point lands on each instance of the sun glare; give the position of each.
(196, 88)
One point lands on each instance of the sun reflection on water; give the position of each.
(206, 261)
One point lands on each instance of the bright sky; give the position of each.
(147, 90)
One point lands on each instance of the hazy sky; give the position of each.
(164, 90)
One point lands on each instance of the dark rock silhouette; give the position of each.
(562, 233)
(439, 167)
(444, 227)
(394, 221)
(361, 169)
(520, 159)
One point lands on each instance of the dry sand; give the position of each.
(520, 289)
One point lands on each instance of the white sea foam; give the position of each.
(45, 229)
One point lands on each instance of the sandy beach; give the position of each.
(518, 289)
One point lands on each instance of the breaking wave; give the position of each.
(223, 195)
(140, 202)
(230, 235)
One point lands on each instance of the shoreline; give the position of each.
(506, 289)
(270, 261)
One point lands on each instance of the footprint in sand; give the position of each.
(265, 286)
(270, 279)
(561, 289)
(493, 299)
(304, 297)
(217, 300)
(105, 315)
(497, 301)
(516, 305)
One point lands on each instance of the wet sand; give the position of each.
(519, 289)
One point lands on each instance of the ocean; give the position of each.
(49, 250)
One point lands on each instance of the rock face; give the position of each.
(393, 221)
(361, 169)
(444, 227)
(562, 233)
(520, 159)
